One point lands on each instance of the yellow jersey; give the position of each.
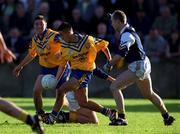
(47, 48)
(82, 55)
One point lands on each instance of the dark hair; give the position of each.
(119, 15)
(65, 26)
(39, 17)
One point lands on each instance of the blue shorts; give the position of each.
(85, 76)
(54, 70)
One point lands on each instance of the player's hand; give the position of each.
(7, 56)
(107, 67)
(17, 70)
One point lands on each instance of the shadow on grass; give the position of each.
(175, 107)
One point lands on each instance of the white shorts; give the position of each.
(142, 68)
(73, 104)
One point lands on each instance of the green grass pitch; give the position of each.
(143, 118)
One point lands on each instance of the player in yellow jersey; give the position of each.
(10, 108)
(45, 44)
(80, 51)
(76, 113)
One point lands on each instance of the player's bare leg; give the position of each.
(37, 95)
(82, 98)
(145, 87)
(12, 110)
(71, 84)
(74, 84)
(84, 102)
(125, 79)
(82, 115)
(85, 115)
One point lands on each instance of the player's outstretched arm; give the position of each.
(60, 72)
(24, 62)
(5, 53)
(107, 53)
(109, 65)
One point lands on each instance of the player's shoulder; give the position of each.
(56, 36)
(52, 31)
(128, 34)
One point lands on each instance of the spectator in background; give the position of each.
(103, 34)
(44, 9)
(16, 43)
(166, 22)
(114, 4)
(173, 48)
(148, 6)
(21, 19)
(99, 16)
(57, 10)
(163, 3)
(7, 9)
(86, 7)
(32, 7)
(141, 22)
(77, 22)
(102, 31)
(155, 45)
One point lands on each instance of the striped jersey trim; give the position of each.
(76, 46)
(42, 44)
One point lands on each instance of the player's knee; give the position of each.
(114, 87)
(148, 95)
(94, 118)
(94, 121)
(37, 91)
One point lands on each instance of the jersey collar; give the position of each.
(39, 37)
(125, 26)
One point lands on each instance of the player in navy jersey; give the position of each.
(139, 68)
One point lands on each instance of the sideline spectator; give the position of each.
(173, 48)
(155, 45)
(16, 43)
(166, 22)
(21, 19)
(77, 22)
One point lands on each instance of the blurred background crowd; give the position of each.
(156, 21)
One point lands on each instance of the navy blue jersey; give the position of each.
(130, 46)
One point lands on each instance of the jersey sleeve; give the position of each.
(62, 60)
(100, 44)
(32, 49)
(126, 41)
(57, 38)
